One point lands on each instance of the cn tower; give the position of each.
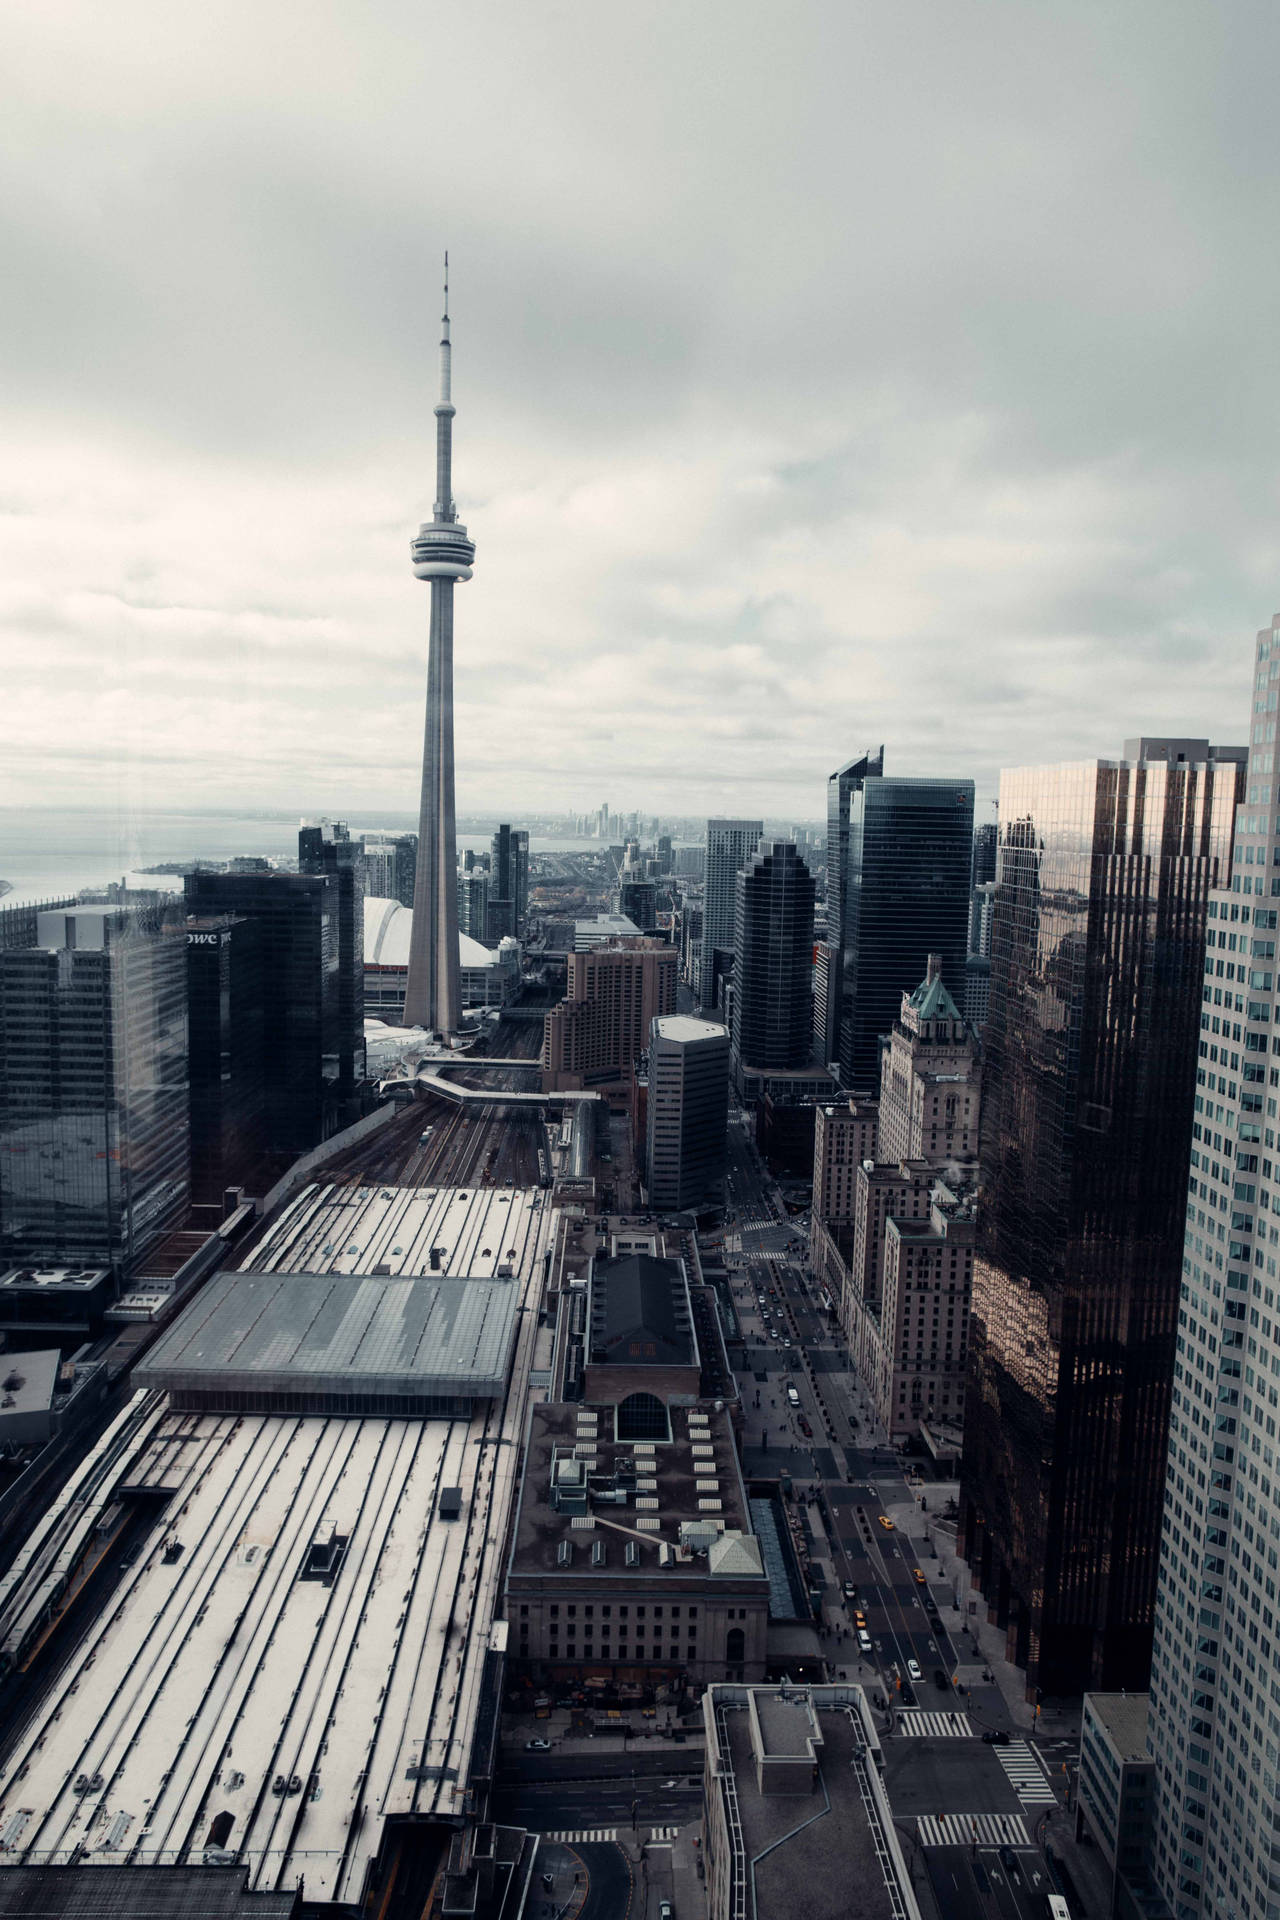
(442, 554)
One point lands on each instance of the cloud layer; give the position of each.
(826, 374)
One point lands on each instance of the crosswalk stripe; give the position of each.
(663, 1833)
(968, 1829)
(935, 1726)
(584, 1834)
(1025, 1774)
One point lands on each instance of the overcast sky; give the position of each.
(826, 374)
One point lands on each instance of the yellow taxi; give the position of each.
(885, 1522)
(918, 1576)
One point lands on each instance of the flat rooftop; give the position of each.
(473, 1231)
(1124, 1718)
(303, 1642)
(664, 1483)
(848, 1862)
(137, 1893)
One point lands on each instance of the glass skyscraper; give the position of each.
(1103, 882)
(1214, 1720)
(730, 844)
(773, 960)
(314, 1023)
(899, 854)
(93, 1083)
(841, 787)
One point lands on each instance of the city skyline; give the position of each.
(705, 581)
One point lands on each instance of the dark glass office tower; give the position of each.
(314, 1052)
(904, 850)
(984, 854)
(321, 850)
(226, 1015)
(406, 863)
(773, 959)
(841, 788)
(93, 1084)
(1104, 872)
(508, 882)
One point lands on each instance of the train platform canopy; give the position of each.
(333, 1343)
(138, 1893)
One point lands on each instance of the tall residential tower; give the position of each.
(442, 554)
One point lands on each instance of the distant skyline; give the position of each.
(859, 375)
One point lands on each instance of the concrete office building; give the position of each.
(94, 1123)
(1105, 872)
(730, 844)
(773, 959)
(797, 1817)
(442, 554)
(1115, 1795)
(593, 1038)
(1212, 1727)
(688, 1106)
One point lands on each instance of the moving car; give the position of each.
(996, 1737)
(885, 1522)
(913, 1668)
(918, 1576)
(908, 1694)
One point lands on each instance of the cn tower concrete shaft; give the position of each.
(442, 554)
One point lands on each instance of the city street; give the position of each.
(970, 1814)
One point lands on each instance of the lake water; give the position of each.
(49, 852)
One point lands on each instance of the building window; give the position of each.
(641, 1416)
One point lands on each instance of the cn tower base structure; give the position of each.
(442, 555)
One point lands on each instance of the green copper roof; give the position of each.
(932, 1001)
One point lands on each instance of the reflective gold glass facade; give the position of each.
(1097, 948)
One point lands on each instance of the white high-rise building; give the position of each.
(1214, 1722)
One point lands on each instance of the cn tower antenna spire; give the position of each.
(442, 555)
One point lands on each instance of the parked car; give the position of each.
(908, 1694)
(850, 1589)
(913, 1668)
(940, 1680)
(864, 1640)
(537, 1746)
